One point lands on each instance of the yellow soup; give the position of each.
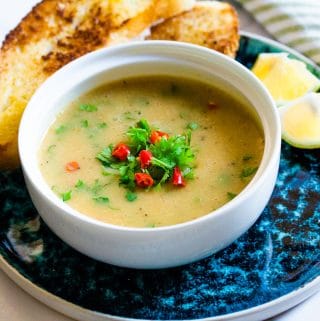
(226, 140)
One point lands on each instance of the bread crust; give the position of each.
(210, 23)
(54, 33)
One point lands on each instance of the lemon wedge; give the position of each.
(300, 122)
(285, 78)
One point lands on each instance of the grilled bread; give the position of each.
(56, 32)
(210, 23)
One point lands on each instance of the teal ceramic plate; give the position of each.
(271, 268)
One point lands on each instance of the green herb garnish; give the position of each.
(231, 195)
(246, 158)
(88, 107)
(66, 196)
(131, 196)
(61, 129)
(151, 225)
(51, 148)
(192, 126)
(101, 199)
(79, 184)
(84, 123)
(139, 135)
(102, 125)
(165, 158)
(97, 187)
(248, 171)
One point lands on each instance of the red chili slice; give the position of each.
(145, 157)
(121, 152)
(212, 105)
(157, 135)
(72, 167)
(143, 180)
(177, 178)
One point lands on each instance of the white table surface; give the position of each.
(15, 304)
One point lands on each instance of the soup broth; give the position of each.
(226, 136)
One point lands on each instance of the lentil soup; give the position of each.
(219, 135)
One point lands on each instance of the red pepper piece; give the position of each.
(143, 180)
(157, 135)
(212, 105)
(177, 178)
(72, 167)
(145, 158)
(121, 152)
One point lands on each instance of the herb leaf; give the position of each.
(192, 126)
(101, 199)
(105, 156)
(246, 158)
(79, 184)
(51, 148)
(84, 123)
(231, 195)
(102, 125)
(66, 196)
(139, 135)
(167, 153)
(174, 151)
(131, 196)
(151, 225)
(61, 129)
(248, 171)
(88, 107)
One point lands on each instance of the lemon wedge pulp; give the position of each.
(300, 121)
(285, 78)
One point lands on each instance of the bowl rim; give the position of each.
(249, 189)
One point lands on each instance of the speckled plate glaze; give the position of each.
(274, 266)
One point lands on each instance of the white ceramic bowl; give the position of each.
(148, 247)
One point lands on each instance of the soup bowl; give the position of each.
(159, 247)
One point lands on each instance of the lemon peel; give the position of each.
(300, 122)
(286, 79)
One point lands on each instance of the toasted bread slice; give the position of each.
(145, 14)
(54, 33)
(210, 23)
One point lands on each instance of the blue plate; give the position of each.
(269, 269)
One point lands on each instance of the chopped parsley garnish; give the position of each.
(79, 184)
(149, 158)
(66, 196)
(51, 148)
(193, 126)
(151, 225)
(102, 125)
(131, 196)
(248, 171)
(231, 195)
(97, 187)
(101, 199)
(88, 107)
(84, 123)
(246, 158)
(61, 129)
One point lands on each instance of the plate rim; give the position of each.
(267, 310)
(281, 46)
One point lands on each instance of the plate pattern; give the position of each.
(278, 255)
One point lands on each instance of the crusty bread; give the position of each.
(54, 33)
(210, 23)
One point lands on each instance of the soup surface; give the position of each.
(227, 141)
